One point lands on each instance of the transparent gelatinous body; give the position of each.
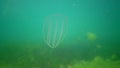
(54, 29)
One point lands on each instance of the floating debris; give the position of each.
(91, 36)
(98, 46)
(114, 56)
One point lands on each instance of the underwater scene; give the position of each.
(59, 34)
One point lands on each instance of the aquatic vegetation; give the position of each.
(98, 62)
(91, 36)
(69, 66)
(61, 66)
(36, 57)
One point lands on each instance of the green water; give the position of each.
(91, 34)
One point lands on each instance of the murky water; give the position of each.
(90, 38)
